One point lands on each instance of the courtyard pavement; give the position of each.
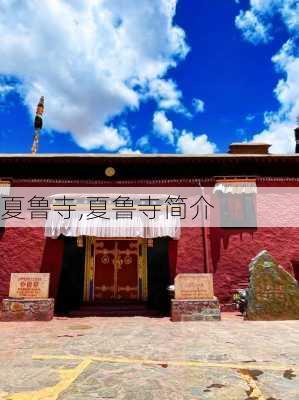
(139, 358)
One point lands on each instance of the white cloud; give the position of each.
(287, 89)
(185, 142)
(126, 150)
(143, 142)
(199, 105)
(280, 135)
(188, 143)
(166, 93)
(92, 60)
(256, 24)
(250, 117)
(108, 138)
(279, 125)
(253, 29)
(5, 89)
(163, 127)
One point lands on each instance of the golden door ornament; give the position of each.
(117, 262)
(105, 259)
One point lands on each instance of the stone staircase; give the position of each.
(114, 310)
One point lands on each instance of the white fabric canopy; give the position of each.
(138, 226)
(4, 188)
(237, 187)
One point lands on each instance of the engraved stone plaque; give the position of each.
(29, 285)
(194, 286)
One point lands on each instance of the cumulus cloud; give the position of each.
(188, 143)
(166, 93)
(254, 30)
(198, 105)
(92, 60)
(256, 23)
(183, 141)
(163, 127)
(143, 143)
(5, 87)
(279, 135)
(109, 138)
(279, 124)
(126, 150)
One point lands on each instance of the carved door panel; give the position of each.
(116, 269)
(127, 271)
(104, 270)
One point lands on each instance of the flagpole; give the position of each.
(38, 124)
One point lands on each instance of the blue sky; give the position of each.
(150, 78)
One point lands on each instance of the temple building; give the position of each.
(117, 268)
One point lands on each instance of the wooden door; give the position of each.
(104, 269)
(116, 270)
(127, 270)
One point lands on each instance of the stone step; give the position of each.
(114, 310)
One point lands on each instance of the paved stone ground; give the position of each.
(142, 358)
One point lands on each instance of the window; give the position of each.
(236, 203)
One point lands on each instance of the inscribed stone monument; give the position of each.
(194, 287)
(28, 298)
(194, 299)
(273, 293)
(29, 285)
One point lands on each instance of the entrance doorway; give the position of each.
(118, 274)
(115, 270)
(70, 278)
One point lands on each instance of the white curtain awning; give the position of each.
(237, 187)
(5, 188)
(139, 226)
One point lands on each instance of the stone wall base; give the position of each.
(27, 310)
(195, 310)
